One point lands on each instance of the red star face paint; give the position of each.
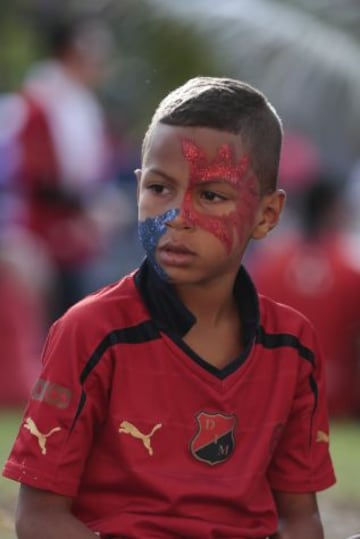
(222, 168)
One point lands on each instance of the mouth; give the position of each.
(175, 247)
(175, 254)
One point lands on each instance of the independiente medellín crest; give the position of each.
(214, 440)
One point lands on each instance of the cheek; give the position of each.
(150, 231)
(145, 207)
(223, 227)
(220, 227)
(152, 228)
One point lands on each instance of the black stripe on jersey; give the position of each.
(315, 391)
(146, 331)
(277, 340)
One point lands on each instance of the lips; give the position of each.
(175, 254)
(176, 248)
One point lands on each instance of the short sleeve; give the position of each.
(301, 461)
(63, 413)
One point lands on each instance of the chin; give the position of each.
(179, 276)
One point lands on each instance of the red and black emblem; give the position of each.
(214, 441)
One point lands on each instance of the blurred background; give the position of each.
(79, 81)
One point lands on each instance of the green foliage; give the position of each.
(9, 425)
(20, 50)
(345, 443)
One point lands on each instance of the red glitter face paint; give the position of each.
(224, 168)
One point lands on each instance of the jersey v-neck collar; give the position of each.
(172, 316)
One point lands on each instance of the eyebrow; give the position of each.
(158, 172)
(205, 182)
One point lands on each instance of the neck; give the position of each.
(209, 302)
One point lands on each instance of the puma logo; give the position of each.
(42, 438)
(128, 428)
(321, 436)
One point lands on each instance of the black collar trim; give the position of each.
(170, 314)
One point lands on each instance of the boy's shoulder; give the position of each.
(81, 338)
(276, 317)
(116, 305)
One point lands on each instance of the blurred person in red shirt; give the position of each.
(59, 203)
(64, 152)
(311, 270)
(25, 277)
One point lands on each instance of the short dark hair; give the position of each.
(61, 35)
(319, 204)
(228, 105)
(81, 33)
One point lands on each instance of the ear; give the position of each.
(269, 212)
(138, 173)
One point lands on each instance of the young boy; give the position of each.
(177, 403)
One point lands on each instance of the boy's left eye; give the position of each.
(211, 196)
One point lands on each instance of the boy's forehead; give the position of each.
(166, 142)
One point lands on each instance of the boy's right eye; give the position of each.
(157, 188)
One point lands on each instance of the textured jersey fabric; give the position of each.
(152, 441)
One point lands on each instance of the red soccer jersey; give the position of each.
(152, 441)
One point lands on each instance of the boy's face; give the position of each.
(199, 203)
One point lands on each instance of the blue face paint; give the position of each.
(150, 231)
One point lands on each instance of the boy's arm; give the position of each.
(298, 516)
(41, 514)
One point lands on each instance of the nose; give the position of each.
(180, 221)
(184, 218)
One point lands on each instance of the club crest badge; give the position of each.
(214, 441)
